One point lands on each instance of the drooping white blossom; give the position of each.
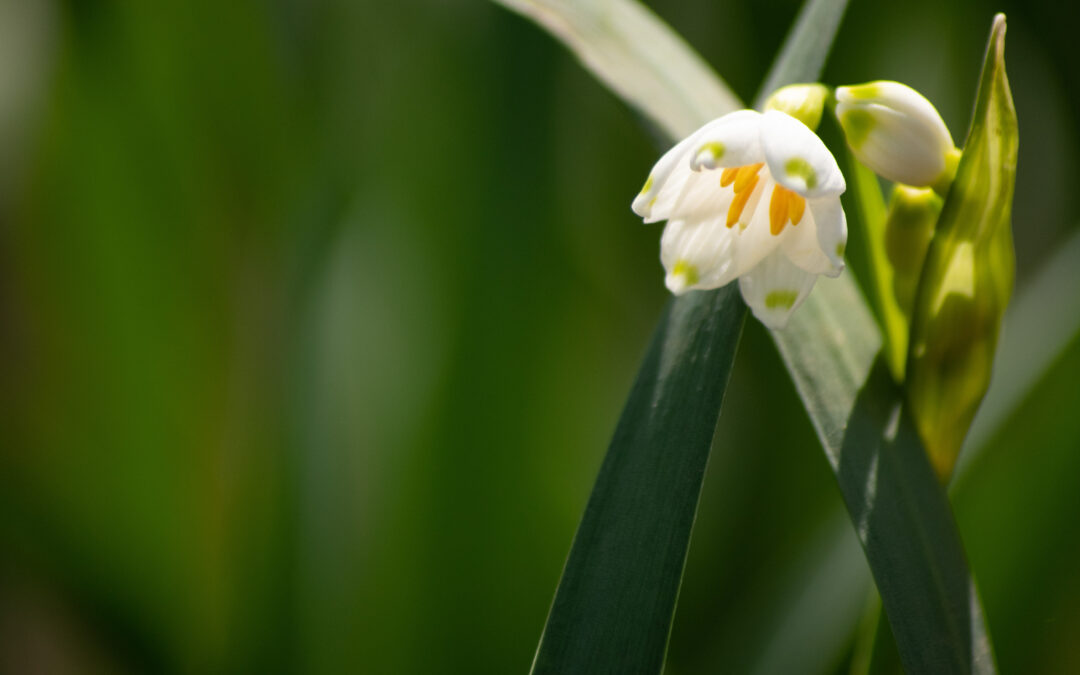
(754, 197)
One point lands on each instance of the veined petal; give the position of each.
(696, 255)
(668, 177)
(735, 140)
(659, 177)
(775, 288)
(831, 229)
(679, 182)
(797, 158)
(817, 243)
(695, 198)
(755, 241)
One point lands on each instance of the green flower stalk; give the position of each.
(968, 275)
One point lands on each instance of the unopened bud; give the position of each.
(909, 226)
(895, 131)
(804, 102)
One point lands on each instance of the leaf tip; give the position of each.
(997, 36)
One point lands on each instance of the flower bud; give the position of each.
(909, 226)
(804, 102)
(895, 131)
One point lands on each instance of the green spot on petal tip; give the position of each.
(798, 167)
(688, 272)
(715, 148)
(780, 299)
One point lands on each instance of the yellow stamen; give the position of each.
(745, 179)
(746, 174)
(778, 210)
(796, 208)
(739, 203)
(784, 206)
(727, 176)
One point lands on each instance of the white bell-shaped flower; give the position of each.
(899, 134)
(754, 197)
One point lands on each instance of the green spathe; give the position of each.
(968, 276)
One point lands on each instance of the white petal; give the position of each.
(667, 179)
(774, 289)
(662, 204)
(696, 255)
(831, 229)
(755, 241)
(660, 176)
(817, 243)
(797, 158)
(698, 197)
(735, 140)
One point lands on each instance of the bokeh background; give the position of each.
(316, 316)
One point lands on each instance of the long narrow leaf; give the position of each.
(638, 57)
(615, 602)
(613, 609)
(895, 501)
(803, 55)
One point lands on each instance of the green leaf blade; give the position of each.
(616, 599)
(806, 48)
(899, 509)
(638, 57)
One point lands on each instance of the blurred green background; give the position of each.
(316, 316)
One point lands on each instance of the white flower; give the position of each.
(753, 197)
(899, 134)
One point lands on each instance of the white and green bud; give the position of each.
(895, 131)
(804, 102)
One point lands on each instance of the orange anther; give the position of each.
(796, 208)
(741, 197)
(727, 176)
(778, 210)
(784, 206)
(746, 174)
